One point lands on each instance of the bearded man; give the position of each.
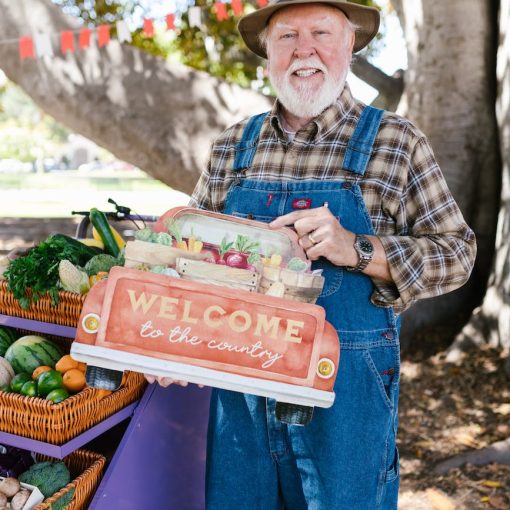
(363, 190)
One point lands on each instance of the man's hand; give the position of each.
(321, 235)
(166, 381)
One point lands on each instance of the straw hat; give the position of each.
(365, 18)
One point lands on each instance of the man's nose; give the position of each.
(305, 47)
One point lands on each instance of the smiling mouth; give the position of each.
(305, 73)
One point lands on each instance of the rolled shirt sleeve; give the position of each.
(435, 250)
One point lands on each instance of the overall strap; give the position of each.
(360, 145)
(246, 148)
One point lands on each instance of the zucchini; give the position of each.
(100, 223)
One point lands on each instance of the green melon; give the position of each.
(7, 337)
(31, 351)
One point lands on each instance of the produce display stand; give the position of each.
(167, 430)
(160, 458)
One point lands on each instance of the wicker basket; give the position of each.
(86, 469)
(43, 420)
(66, 312)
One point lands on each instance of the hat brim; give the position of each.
(367, 20)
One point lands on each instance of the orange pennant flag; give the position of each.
(103, 35)
(66, 42)
(237, 7)
(221, 11)
(170, 22)
(26, 48)
(84, 38)
(148, 28)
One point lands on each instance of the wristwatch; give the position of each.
(365, 250)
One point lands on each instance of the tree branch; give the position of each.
(390, 88)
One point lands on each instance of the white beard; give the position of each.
(303, 101)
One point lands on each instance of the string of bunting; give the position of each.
(41, 44)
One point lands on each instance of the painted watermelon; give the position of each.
(31, 351)
(7, 337)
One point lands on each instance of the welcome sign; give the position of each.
(208, 334)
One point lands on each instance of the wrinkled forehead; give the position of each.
(313, 13)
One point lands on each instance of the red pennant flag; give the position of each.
(66, 42)
(262, 3)
(221, 11)
(237, 7)
(103, 35)
(84, 39)
(26, 48)
(170, 22)
(148, 28)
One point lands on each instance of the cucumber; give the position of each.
(98, 219)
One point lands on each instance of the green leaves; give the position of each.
(243, 244)
(35, 274)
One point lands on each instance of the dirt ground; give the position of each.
(444, 410)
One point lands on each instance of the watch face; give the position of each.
(365, 245)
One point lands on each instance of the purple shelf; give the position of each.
(40, 327)
(60, 451)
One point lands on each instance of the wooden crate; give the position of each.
(303, 287)
(153, 254)
(217, 274)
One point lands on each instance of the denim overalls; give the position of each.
(346, 458)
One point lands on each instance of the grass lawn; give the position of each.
(57, 194)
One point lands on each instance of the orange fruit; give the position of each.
(66, 363)
(82, 366)
(74, 380)
(39, 370)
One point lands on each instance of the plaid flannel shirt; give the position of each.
(429, 247)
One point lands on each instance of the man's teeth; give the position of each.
(303, 73)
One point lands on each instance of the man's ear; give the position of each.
(351, 41)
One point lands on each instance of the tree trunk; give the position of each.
(450, 94)
(159, 116)
(491, 321)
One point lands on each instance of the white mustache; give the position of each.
(306, 63)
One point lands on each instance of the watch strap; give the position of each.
(363, 259)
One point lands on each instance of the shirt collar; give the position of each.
(320, 125)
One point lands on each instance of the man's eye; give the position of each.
(287, 36)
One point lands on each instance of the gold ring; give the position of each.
(312, 240)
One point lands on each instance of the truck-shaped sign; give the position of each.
(195, 327)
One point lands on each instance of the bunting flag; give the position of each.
(237, 7)
(41, 44)
(66, 42)
(103, 35)
(195, 17)
(26, 48)
(123, 33)
(84, 38)
(148, 28)
(170, 22)
(221, 11)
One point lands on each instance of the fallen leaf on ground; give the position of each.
(439, 500)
